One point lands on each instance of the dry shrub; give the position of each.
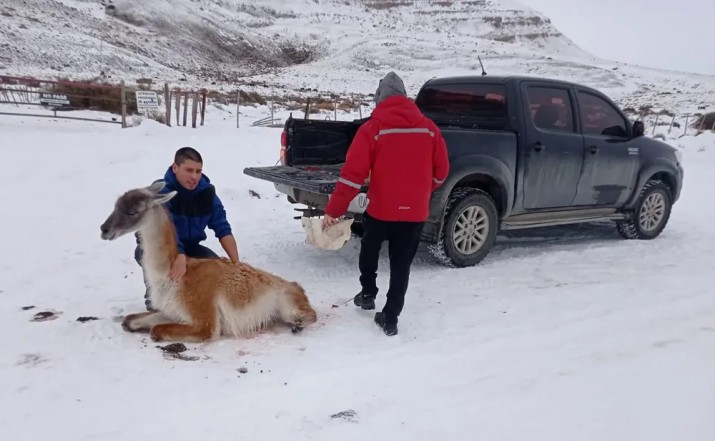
(707, 121)
(252, 98)
(157, 116)
(220, 98)
(247, 98)
(346, 105)
(321, 104)
(290, 102)
(328, 104)
(93, 96)
(386, 4)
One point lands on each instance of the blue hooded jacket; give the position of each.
(194, 210)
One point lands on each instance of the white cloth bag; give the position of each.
(332, 238)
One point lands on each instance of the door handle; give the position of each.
(538, 146)
(593, 149)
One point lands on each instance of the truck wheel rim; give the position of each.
(652, 212)
(470, 230)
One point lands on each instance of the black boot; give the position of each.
(389, 328)
(363, 301)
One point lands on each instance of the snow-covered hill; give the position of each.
(276, 46)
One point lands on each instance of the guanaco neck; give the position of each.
(158, 240)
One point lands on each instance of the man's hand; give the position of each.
(178, 268)
(229, 245)
(329, 221)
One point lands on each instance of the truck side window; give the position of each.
(550, 108)
(598, 117)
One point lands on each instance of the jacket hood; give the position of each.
(398, 111)
(173, 183)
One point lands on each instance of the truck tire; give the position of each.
(651, 213)
(469, 229)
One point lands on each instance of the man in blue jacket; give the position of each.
(194, 208)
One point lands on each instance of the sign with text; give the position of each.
(54, 99)
(146, 100)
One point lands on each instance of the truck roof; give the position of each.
(475, 79)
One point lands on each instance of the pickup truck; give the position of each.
(524, 152)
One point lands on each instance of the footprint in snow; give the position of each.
(31, 360)
(347, 415)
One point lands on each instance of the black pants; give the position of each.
(403, 240)
(191, 250)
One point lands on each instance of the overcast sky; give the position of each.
(670, 34)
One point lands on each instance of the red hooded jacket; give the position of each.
(404, 155)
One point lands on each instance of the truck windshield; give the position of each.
(465, 105)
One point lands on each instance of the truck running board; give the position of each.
(549, 219)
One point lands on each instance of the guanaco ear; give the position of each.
(156, 187)
(162, 198)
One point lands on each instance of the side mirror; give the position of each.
(638, 129)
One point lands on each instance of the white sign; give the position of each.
(53, 99)
(146, 100)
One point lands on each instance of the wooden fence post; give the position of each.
(194, 108)
(307, 109)
(123, 100)
(177, 106)
(167, 102)
(687, 116)
(672, 121)
(203, 106)
(186, 106)
(238, 108)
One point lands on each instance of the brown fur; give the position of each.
(214, 297)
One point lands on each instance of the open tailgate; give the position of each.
(314, 179)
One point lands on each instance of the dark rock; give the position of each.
(45, 316)
(174, 348)
(347, 415)
(84, 319)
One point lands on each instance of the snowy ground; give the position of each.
(564, 334)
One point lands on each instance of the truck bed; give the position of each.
(314, 179)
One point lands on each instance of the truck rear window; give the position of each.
(468, 104)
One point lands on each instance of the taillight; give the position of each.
(284, 143)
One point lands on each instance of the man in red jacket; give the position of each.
(404, 155)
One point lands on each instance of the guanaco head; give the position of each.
(131, 209)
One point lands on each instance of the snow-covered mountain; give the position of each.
(340, 46)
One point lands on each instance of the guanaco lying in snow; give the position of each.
(215, 297)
